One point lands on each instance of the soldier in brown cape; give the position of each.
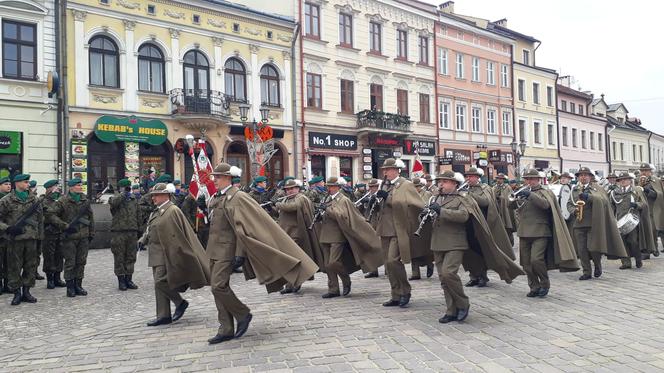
(430, 186)
(243, 234)
(400, 206)
(461, 236)
(425, 194)
(544, 240)
(176, 256)
(626, 199)
(595, 232)
(502, 191)
(654, 192)
(373, 185)
(483, 195)
(295, 215)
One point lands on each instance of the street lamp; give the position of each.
(265, 112)
(519, 149)
(244, 109)
(260, 151)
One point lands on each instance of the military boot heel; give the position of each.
(71, 292)
(130, 284)
(78, 288)
(57, 281)
(27, 297)
(50, 284)
(17, 297)
(122, 285)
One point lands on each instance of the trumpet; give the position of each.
(268, 203)
(516, 195)
(426, 215)
(463, 187)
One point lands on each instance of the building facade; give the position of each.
(143, 75)
(582, 134)
(28, 127)
(366, 89)
(656, 146)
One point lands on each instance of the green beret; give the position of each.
(74, 181)
(151, 183)
(236, 180)
(33, 183)
(316, 179)
(21, 177)
(360, 185)
(4, 180)
(135, 187)
(177, 182)
(185, 186)
(50, 183)
(124, 183)
(165, 178)
(347, 178)
(260, 179)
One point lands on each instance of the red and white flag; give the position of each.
(418, 168)
(201, 182)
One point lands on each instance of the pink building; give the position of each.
(474, 90)
(582, 135)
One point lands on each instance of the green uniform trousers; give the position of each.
(75, 252)
(124, 249)
(52, 252)
(164, 295)
(631, 242)
(396, 271)
(447, 264)
(582, 241)
(3, 259)
(334, 266)
(229, 307)
(22, 261)
(532, 251)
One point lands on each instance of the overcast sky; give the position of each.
(611, 47)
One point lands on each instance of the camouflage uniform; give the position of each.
(4, 285)
(125, 228)
(314, 195)
(264, 197)
(52, 250)
(145, 208)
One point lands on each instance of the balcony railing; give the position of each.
(201, 102)
(379, 120)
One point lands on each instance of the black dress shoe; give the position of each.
(160, 321)
(639, 263)
(625, 266)
(57, 281)
(598, 271)
(414, 278)
(329, 295)
(403, 300)
(533, 293)
(17, 298)
(38, 276)
(447, 318)
(286, 290)
(462, 313)
(346, 290)
(429, 270)
(220, 338)
(472, 282)
(585, 277)
(481, 282)
(371, 275)
(296, 289)
(130, 284)
(543, 292)
(27, 297)
(179, 310)
(243, 325)
(391, 303)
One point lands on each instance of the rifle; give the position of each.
(79, 218)
(320, 211)
(23, 220)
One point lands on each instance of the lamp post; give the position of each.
(257, 160)
(519, 149)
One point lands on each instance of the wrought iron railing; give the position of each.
(201, 101)
(381, 120)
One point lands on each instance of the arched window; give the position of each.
(196, 73)
(270, 86)
(235, 77)
(104, 64)
(151, 74)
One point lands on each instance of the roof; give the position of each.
(426, 7)
(628, 125)
(251, 10)
(552, 71)
(572, 92)
(513, 33)
(614, 107)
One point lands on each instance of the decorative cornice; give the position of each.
(129, 25)
(376, 18)
(128, 5)
(153, 103)
(377, 71)
(347, 8)
(175, 34)
(80, 15)
(285, 38)
(252, 31)
(253, 48)
(172, 14)
(105, 99)
(348, 64)
(403, 26)
(217, 41)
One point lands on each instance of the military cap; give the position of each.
(289, 178)
(532, 174)
(584, 170)
(567, 175)
(165, 178)
(49, 183)
(222, 169)
(74, 181)
(447, 175)
(124, 183)
(428, 177)
(135, 187)
(333, 181)
(163, 188)
(612, 175)
(260, 179)
(21, 177)
(291, 183)
(513, 181)
(4, 180)
(177, 182)
(645, 166)
(501, 176)
(347, 178)
(393, 163)
(186, 186)
(316, 179)
(472, 171)
(373, 182)
(624, 175)
(418, 182)
(33, 183)
(236, 180)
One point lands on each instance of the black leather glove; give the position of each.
(15, 231)
(584, 196)
(200, 202)
(382, 194)
(140, 246)
(524, 193)
(90, 238)
(237, 262)
(435, 207)
(633, 205)
(71, 230)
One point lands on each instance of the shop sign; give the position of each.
(396, 154)
(10, 142)
(483, 155)
(132, 129)
(426, 148)
(541, 165)
(445, 161)
(494, 156)
(476, 155)
(385, 141)
(366, 151)
(332, 141)
(483, 163)
(507, 158)
(458, 156)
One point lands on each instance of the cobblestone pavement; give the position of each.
(611, 324)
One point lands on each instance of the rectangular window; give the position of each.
(459, 65)
(507, 123)
(345, 30)
(640, 153)
(537, 132)
(592, 140)
(526, 57)
(565, 141)
(580, 109)
(424, 50)
(476, 69)
(583, 139)
(424, 108)
(402, 101)
(563, 105)
(613, 146)
(311, 20)
(549, 96)
(314, 91)
(522, 90)
(536, 93)
(376, 97)
(19, 50)
(475, 116)
(491, 121)
(442, 61)
(375, 37)
(575, 143)
(622, 151)
(347, 96)
(634, 152)
(550, 134)
(504, 76)
(402, 44)
(600, 143)
(444, 115)
(461, 117)
(490, 74)
(572, 108)
(522, 131)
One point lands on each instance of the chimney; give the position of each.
(602, 96)
(501, 22)
(447, 7)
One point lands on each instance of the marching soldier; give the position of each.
(237, 182)
(5, 189)
(594, 228)
(124, 225)
(316, 189)
(625, 199)
(180, 194)
(21, 221)
(544, 240)
(370, 211)
(612, 179)
(262, 195)
(347, 187)
(264, 249)
(430, 185)
(177, 259)
(360, 191)
(52, 249)
(415, 267)
(654, 192)
(502, 191)
(72, 214)
(33, 192)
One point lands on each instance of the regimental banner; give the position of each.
(132, 129)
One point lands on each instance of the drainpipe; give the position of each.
(59, 120)
(304, 160)
(649, 136)
(608, 142)
(435, 95)
(514, 110)
(294, 99)
(555, 106)
(63, 99)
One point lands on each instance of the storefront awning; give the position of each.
(335, 153)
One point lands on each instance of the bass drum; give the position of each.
(563, 192)
(628, 223)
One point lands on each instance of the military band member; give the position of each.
(316, 189)
(52, 249)
(594, 226)
(415, 267)
(625, 199)
(124, 226)
(175, 255)
(430, 185)
(5, 189)
(360, 191)
(544, 240)
(654, 192)
(243, 234)
(21, 221)
(502, 191)
(237, 182)
(347, 187)
(611, 182)
(372, 216)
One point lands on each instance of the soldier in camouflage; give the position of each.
(180, 194)
(316, 189)
(261, 195)
(124, 208)
(5, 189)
(52, 250)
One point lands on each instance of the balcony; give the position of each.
(378, 121)
(201, 109)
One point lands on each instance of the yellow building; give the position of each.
(141, 75)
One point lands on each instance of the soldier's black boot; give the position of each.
(57, 281)
(27, 297)
(130, 284)
(78, 288)
(122, 285)
(49, 280)
(5, 288)
(17, 297)
(71, 291)
(38, 276)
